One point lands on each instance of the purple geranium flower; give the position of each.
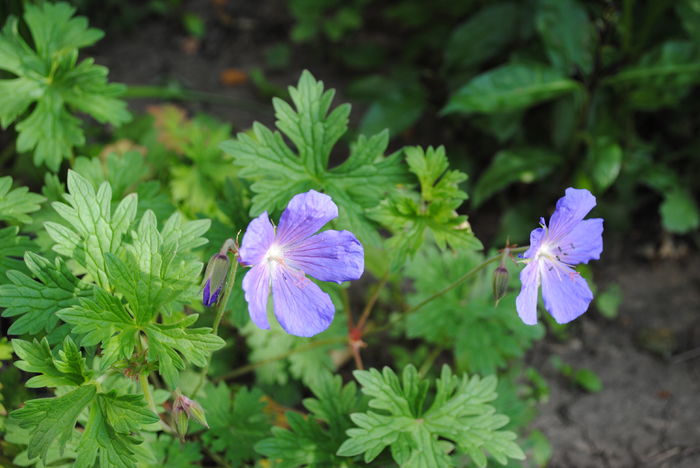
(281, 258)
(554, 250)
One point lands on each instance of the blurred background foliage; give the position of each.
(597, 94)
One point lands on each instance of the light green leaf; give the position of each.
(37, 301)
(314, 440)
(510, 87)
(236, 423)
(36, 357)
(278, 173)
(50, 131)
(159, 268)
(95, 231)
(15, 204)
(483, 337)
(99, 320)
(679, 212)
(174, 344)
(109, 432)
(412, 217)
(567, 34)
(52, 418)
(524, 165)
(459, 412)
(56, 32)
(608, 301)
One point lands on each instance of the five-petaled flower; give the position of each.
(554, 250)
(281, 258)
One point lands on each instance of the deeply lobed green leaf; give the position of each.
(459, 415)
(278, 172)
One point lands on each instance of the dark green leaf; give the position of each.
(662, 77)
(508, 166)
(12, 248)
(567, 34)
(482, 36)
(508, 88)
(605, 159)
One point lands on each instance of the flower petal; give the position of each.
(206, 294)
(566, 294)
(256, 240)
(256, 285)
(526, 302)
(300, 306)
(583, 243)
(329, 256)
(570, 210)
(535, 240)
(304, 216)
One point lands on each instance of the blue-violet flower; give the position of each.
(553, 252)
(281, 258)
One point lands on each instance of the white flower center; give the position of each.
(274, 254)
(545, 251)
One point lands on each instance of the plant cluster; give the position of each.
(123, 350)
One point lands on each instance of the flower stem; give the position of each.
(428, 363)
(462, 279)
(143, 380)
(221, 308)
(148, 396)
(372, 300)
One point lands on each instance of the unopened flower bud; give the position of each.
(181, 421)
(500, 282)
(215, 278)
(184, 409)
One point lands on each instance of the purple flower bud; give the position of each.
(215, 278)
(184, 409)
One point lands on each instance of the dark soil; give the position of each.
(649, 362)
(648, 358)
